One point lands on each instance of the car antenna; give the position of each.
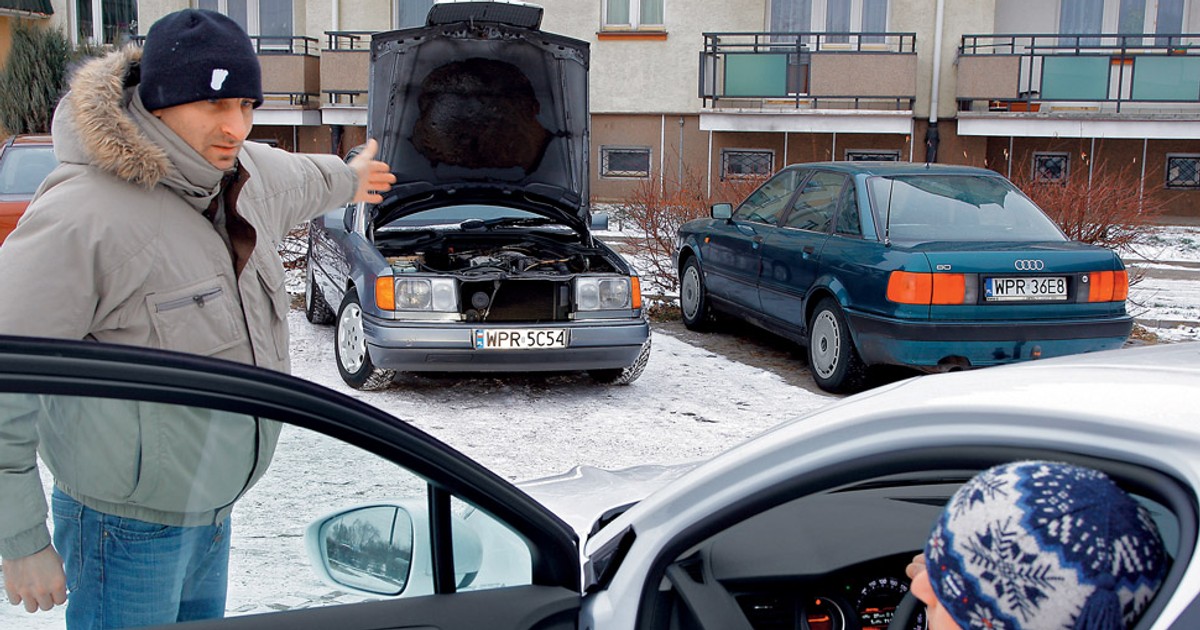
(887, 216)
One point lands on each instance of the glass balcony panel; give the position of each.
(760, 75)
(1075, 78)
(1166, 78)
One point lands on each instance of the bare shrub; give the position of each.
(656, 211)
(1111, 210)
(293, 249)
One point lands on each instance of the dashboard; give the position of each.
(863, 597)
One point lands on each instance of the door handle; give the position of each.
(809, 249)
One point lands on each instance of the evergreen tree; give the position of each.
(33, 78)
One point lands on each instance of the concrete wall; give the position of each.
(635, 76)
(1025, 16)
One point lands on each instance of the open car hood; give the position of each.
(476, 109)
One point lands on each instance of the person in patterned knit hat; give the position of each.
(1039, 545)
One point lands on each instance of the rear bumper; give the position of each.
(441, 347)
(941, 344)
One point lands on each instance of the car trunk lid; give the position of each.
(998, 273)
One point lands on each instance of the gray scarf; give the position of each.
(191, 176)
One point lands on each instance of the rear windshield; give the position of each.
(22, 169)
(957, 208)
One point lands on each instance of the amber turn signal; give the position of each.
(635, 286)
(385, 293)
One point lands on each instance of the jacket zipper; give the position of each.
(199, 299)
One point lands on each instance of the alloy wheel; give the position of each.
(352, 343)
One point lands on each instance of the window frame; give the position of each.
(635, 17)
(1195, 157)
(97, 17)
(727, 152)
(607, 173)
(253, 24)
(1036, 172)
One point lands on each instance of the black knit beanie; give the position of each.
(196, 55)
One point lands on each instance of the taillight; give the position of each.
(1108, 286)
(908, 287)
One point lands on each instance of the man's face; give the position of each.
(214, 128)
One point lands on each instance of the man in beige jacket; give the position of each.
(159, 228)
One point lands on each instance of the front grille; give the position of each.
(531, 301)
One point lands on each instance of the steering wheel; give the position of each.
(906, 611)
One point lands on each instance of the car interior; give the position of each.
(835, 558)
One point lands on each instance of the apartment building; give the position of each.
(702, 91)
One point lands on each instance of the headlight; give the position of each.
(602, 293)
(439, 295)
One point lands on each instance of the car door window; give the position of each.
(849, 222)
(328, 523)
(766, 204)
(817, 202)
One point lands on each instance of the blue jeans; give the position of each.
(126, 573)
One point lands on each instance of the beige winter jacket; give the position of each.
(111, 250)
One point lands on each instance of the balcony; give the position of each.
(291, 72)
(808, 82)
(809, 70)
(1105, 73)
(345, 77)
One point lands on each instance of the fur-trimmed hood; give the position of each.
(92, 124)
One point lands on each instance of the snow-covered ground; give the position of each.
(1165, 274)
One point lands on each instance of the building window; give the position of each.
(411, 13)
(633, 14)
(1183, 171)
(270, 20)
(834, 16)
(625, 162)
(1133, 16)
(118, 21)
(1051, 167)
(741, 163)
(872, 155)
(1081, 17)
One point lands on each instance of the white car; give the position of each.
(808, 526)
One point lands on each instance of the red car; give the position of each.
(24, 162)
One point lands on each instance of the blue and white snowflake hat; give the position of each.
(1033, 545)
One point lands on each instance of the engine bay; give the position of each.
(474, 258)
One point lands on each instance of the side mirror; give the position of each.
(599, 221)
(722, 210)
(366, 549)
(385, 549)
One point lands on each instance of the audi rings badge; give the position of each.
(1029, 265)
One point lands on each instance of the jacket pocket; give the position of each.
(199, 318)
(270, 275)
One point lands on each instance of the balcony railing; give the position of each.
(345, 65)
(1089, 72)
(809, 70)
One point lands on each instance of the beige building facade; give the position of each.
(700, 91)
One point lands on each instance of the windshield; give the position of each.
(22, 169)
(957, 208)
(456, 215)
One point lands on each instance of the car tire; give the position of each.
(316, 309)
(627, 374)
(832, 358)
(693, 296)
(350, 347)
